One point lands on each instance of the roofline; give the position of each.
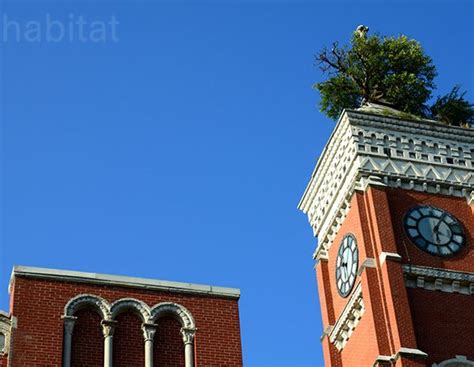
(121, 281)
(432, 123)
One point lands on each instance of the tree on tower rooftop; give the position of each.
(391, 71)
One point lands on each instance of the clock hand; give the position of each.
(440, 220)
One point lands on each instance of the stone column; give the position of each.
(188, 340)
(149, 331)
(67, 341)
(108, 328)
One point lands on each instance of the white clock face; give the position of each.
(346, 265)
(434, 230)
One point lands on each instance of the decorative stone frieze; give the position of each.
(368, 149)
(438, 279)
(348, 320)
(111, 311)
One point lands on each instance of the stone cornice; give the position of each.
(122, 281)
(368, 149)
(348, 320)
(438, 279)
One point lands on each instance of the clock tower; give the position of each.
(391, 202)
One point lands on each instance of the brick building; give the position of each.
(65, 318)
(391, 202)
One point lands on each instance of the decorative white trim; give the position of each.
(348, 320)
(368, 262)
(88, 300)
(326, 332)
(369, 149)
(458, 361)
(170, 308)
(403, 351)
(435, 279)
(109, 313)
(140, 308)
(5, 330)
(410, 352)
(121, 281)
(392, 256)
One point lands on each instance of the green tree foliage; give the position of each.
(453, 109)
(385, 70)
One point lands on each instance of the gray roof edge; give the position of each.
(123, 281)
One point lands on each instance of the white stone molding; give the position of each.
(326, 332)
(5, 332)
(392, 256)
(149, 331)
(348, 320)
(368, 149)
(109, 313)
(108, 327)
(135, 305)
(188, 327)
(368, 262)
(108, 330)
(173, 309)
(188, 340)
(435, 279)
(458, 361)
(188, 335)
(121, 281)
(403, 351)
(88, 300)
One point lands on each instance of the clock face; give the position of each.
(346, 265)
(434, 230)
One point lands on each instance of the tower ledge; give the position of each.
(376, 146)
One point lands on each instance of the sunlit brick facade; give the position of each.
(410, 299)
(64, 318)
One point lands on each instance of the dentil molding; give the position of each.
(370, 149)
(345, 325)
(435, 279)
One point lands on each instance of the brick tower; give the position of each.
(391, 201)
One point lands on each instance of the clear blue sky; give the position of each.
(181, 151)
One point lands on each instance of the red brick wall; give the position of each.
(444, 324)
(393, 314)
(169, 348)
(87, 340)
(38, 306)
(129, 349)
(363, 346)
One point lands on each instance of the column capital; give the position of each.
(108, 327)
(149, 331)
(69, 322)
(188, 335)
